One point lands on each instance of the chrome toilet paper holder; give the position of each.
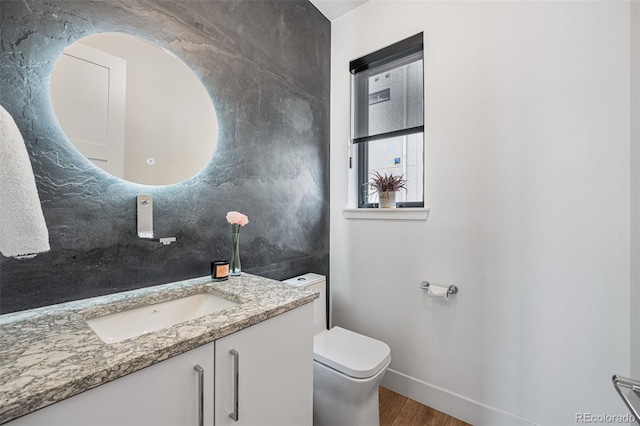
(452, 289)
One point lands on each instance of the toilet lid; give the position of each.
(350, 353)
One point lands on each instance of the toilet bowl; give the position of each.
(347, 367)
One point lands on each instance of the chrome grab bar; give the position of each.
(631, 384)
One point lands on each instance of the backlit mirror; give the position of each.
(134, 109)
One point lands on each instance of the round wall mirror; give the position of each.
(134, 109)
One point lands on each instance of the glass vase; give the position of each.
(234, 265)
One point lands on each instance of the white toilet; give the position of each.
(347, 367)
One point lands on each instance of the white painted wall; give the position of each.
(528, 180)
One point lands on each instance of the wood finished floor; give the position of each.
(398, 410)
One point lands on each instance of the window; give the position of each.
(388, 119)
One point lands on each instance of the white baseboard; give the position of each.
(458, 406)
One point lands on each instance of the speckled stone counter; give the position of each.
(49, 354)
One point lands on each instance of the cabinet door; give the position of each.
(166, 393)
(275, 372)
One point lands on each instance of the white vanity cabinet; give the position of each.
(166, 393)
(274, 364)
(275, 384)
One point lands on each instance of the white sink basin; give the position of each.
(124, 325)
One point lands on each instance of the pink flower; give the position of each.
(237, 218)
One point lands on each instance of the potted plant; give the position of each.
(386, 187)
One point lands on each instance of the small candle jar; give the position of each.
(220, 270)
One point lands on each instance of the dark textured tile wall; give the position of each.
(266, 66)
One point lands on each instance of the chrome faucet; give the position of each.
(145, 221)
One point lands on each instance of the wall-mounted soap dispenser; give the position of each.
(145, 220)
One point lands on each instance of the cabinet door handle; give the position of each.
(200, 371)
(236, 375)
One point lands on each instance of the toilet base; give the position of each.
(340, 400)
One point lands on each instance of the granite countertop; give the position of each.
(49, 354)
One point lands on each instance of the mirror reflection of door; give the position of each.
(88, 91)
(170, 122)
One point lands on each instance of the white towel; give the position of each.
(23, 231)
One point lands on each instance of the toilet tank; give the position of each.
(318, 283)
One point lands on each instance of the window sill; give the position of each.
(409, 213)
